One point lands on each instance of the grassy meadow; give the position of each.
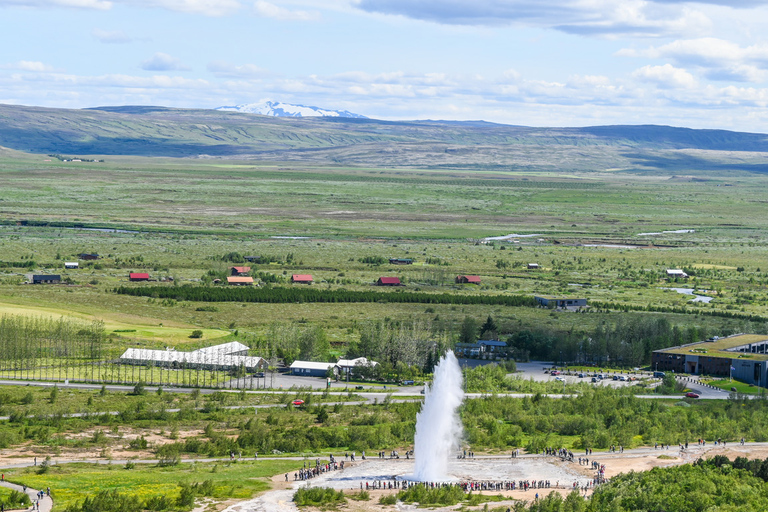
(591, 240)
(605, 236)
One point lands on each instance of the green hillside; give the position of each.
(480, 146)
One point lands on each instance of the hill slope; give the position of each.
(160, 131)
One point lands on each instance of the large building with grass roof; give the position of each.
(741, 356)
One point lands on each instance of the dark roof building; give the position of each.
(88, 256)
(401, 261)
(43, 279)
(560, 302)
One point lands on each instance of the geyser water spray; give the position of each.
(438, 427)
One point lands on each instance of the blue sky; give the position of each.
(529, 62)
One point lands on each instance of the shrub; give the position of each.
(138, 389)
(318, 496)
(388, 499)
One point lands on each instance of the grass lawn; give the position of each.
(128, 327)
(71, 483)
(741, 387)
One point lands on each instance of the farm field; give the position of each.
(606, 237)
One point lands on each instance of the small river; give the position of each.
(689, 291)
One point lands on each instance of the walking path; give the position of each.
(46, 504)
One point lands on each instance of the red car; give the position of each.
(691, 394)
(298, 402)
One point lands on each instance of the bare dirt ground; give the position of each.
(530, 467)
(561, 474)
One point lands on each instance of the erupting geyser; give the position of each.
(438, 427)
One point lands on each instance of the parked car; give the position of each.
(555, 372)
(691, 394)
(561, 379)
(594, 379)
(298, 402)
(623, 378)
(615, 377)
(581, 375)
(659, 375)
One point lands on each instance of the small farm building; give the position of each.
(239, 271)
(533, 266)
(468, 279)
(491, 345)
(71, 264)
(138, 276)
(560, 302)
(88, 256)
(467, 349)
(252, 258)
(311, 368)
(240, 280)
(401, 261)
(41, 279)
(389, 281)
(676, 273)
(301, 278)
(347, 365)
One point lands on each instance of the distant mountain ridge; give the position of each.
(155, 131)
(278, 109)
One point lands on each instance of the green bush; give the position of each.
(388, 499)
(318, 496)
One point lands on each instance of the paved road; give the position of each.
(45, 504)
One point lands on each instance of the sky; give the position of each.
(697, 64)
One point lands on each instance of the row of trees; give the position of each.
(46, 348)
(283, 295)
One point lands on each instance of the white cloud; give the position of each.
(609, 18)
(705, 51)
(78, 4)
(270, 10)
(718, 58)
(35, 66)
(660, 95)
(111, 37)
(226, 69)
(163, 62)
(665, 77)
(205, 7)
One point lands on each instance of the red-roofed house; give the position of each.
(301, 278)
(389, 281)
(240, 280)
(468, 279)
(239, 271)
(138, 276)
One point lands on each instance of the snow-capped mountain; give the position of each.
(278, 109)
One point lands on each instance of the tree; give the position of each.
(469, 330)
(489, 328)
